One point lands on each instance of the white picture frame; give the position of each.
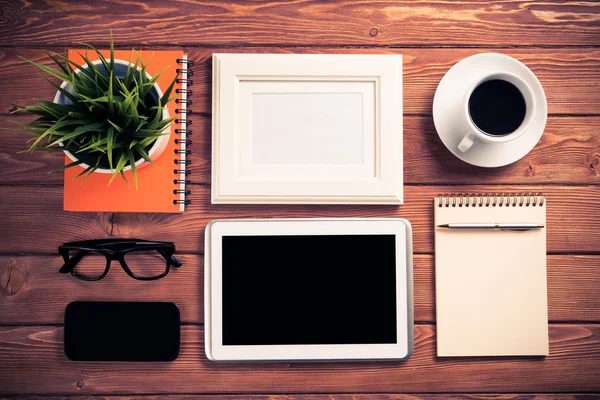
(213, 289)
(307, 128)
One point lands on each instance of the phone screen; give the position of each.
(122, 331)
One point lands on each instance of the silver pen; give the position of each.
(511, 227)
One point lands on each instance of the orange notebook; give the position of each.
(161, 187)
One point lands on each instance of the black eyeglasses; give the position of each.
(90, 260)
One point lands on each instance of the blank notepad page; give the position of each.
(491, 294)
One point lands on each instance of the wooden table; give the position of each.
(559, 40)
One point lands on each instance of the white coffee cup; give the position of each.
(473, 133)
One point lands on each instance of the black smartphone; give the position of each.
(122, 331)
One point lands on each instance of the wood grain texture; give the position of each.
(296, 22)
(559, 40)
(350, 396)
(33, 283)
(570, 77)
(30, 225)
(569, 152)
(32, 361)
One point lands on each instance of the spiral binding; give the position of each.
(183, 112)
(491, 200)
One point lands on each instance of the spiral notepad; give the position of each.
(491, 295)
(183, 131)
(162, 186)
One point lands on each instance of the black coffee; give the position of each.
(497, 107)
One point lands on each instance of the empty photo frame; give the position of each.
(307, 129)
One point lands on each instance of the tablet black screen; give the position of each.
(293, 290)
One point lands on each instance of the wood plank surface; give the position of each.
(33, 283)
(569, 152)
(350, 396)
(339, 22)
(558, 40)
(32, 361)
(32, 226)
(570, 77)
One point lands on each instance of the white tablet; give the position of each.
(308, 289)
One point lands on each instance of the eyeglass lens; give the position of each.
(146, 263)
(91, 265)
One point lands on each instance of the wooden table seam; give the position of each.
(237, 45)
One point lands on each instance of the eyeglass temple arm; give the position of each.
(70, 264)
(172, 259)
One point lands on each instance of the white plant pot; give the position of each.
(159, 145)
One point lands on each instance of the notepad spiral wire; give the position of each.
(183, 132)
(490, 200)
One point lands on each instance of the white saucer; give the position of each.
(448, 108)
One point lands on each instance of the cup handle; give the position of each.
(466, 142)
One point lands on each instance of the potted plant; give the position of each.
(108, 116)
